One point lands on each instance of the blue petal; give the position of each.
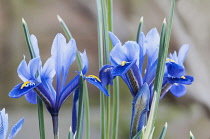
(178, 90)
(57, 53)
(46, 96)
(114, 39)
(3, 124)
(98, 84)
(117, 55)
(140, 107)
(48, 72)
(31, 97)
(183, 80)
(34, 66)
(35, 45)
(119, 70)
(74, 111)
(152, 41)
(69, 55)
(105, 75)
(84, 62)
(183, 52)
(175, 69)
(23, 71)
(70, 87)
(16, 128)
(17, 92)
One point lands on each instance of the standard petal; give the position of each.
(57, 53)
(131, 50)
(117, 55)
(183, 52)
(21, 89)
(23, 71)
(31, 97)
(98, 84)
(35, 45)
(69, 55)
(84, 62)
(105, 75)
(34, 67)
(16, 128)
(178, 90)
(114, 39)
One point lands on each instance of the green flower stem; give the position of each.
(80, 109)
(86, 97)
(163, 132)
(39, 101)
(70, 136)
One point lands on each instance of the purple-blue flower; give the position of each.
(175, 78)
(38, 80)
(4, 126)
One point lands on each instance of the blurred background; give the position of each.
(191, 25)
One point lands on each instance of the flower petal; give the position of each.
(175, 69)
(16, 128)
(183, 80)
(182, 53)
(34, 67)
(23, 71)
(98, 84)
(3, 124)
(105, 75)
(84, 62)
(178, 90)
(74, 111)
(35, 45)
(114, 39)
(17, 92)
(70, 87)
(31, 97)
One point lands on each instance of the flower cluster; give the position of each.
(127, 61)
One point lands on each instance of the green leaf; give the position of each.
(39, 101)
(191, 135)
(163, 132)
(139, 29)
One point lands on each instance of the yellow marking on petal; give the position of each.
(24, 84)
(123, 63)
(93, 76)
(183, 77)
(171, 60)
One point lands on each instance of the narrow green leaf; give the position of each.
(100, 55)
(80, 109)
(151, 134)
(86, 97)
(191, 135)
(149, 126)
(139, 29)
(70, 135)
(39, 101)
(140, 134)
(163, 132)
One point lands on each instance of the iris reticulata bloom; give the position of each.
(136, 64)
(4, 126)
(38, 80)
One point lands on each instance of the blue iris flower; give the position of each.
(127, 61)
(4, 126)
(38, 80)
(175, 78)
